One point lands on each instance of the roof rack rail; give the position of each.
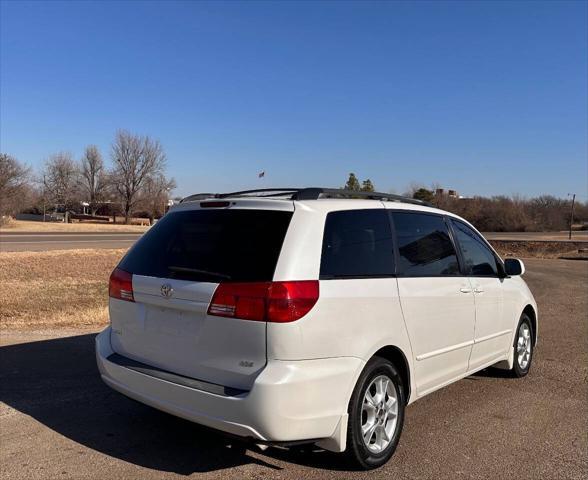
(312, 193)
(266, 192)
(315, 193)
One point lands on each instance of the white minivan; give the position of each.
(310, 316)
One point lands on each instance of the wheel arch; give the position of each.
(396, 356)
(532, 314)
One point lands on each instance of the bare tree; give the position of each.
(93, 177)
(14, 183)
(549, 212)
(61, 179)
(155, 195)
(136, 158)
(412, 188)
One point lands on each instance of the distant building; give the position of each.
(440, 192)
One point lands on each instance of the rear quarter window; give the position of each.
(211, 245)
(357, 244)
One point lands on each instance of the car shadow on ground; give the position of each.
(493, 372)
(57, 383)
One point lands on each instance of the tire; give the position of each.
(383, 414)
(523, 347)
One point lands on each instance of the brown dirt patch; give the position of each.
(538, 249)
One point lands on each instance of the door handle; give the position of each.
(478, 290)
(465, 290)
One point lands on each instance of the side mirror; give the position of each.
(513, 267)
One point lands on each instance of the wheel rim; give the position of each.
(524, 346)
(379, 414)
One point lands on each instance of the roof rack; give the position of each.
(313, 193)
(261, 192)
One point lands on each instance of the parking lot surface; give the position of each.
(57, 419)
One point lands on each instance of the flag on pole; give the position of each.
(261, 174)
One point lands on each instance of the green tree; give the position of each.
(352, 183)
(367, 186)
(424, 195)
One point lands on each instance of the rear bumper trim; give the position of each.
(174, 378)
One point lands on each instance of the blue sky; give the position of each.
(485, 97)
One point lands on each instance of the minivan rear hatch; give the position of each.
(176, 268)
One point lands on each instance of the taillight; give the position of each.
(265, 301)
(240, 300)
(121, 285)
(289, 301)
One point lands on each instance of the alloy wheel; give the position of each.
(524, 344)
(379, 414)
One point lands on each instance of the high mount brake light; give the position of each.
(278, 302)
(121, 285)
(214, 204)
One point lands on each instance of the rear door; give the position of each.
(437, 300)
(176, 268)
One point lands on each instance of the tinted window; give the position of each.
(424, 245)
(357, 243)
(211, 245)
(479, 259)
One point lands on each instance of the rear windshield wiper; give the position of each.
(196, 270)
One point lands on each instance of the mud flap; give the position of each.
(506, 364)
(338, 441)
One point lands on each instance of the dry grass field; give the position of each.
(40, 227)
(55, 289)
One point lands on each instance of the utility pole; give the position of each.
(572, 214)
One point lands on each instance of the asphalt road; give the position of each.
(35, 242)
(577, 236)
(57, 419)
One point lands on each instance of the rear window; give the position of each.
(357, 244)
(211, 245)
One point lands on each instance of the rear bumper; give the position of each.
(289, 402)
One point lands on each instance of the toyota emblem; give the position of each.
(167, 290)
